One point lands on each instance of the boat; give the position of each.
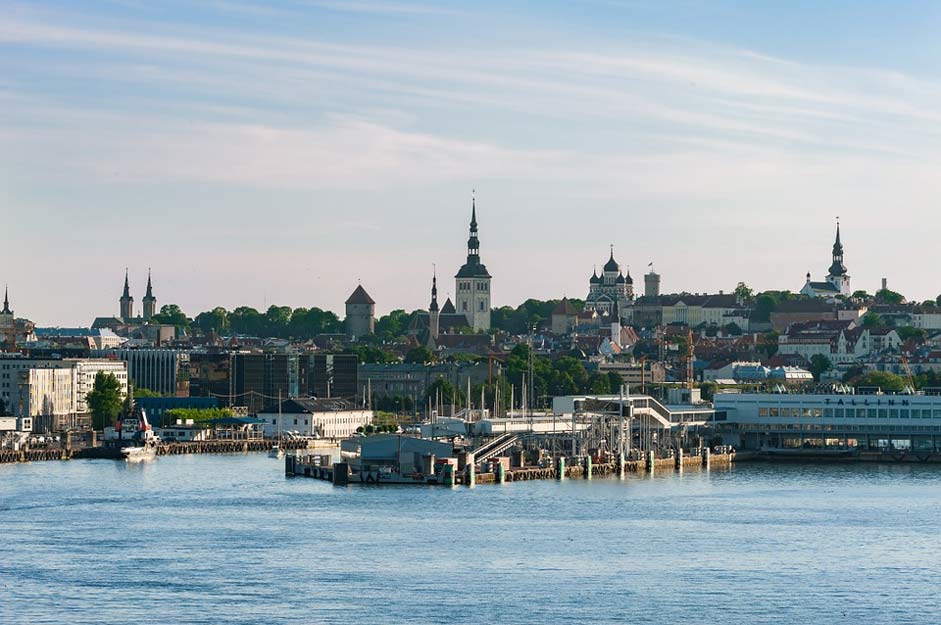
(139, 453)
(136, 438)
(276, 452)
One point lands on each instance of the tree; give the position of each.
(882, 379)
(937, 300)
(104, 400)
(3, 408)
(819, 364)
(215, 320)
(145, 392)
(171, 314)
(861, 295)
(446, 391)
(419, 355)
(886, 296)
(370, 354)
(743, 292)
(907, 333)
(873, 320)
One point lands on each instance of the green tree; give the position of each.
(145, 392)
(446, 391)
(419, 355)
(937, 300)
(3, 408)
(105, 400)
(883, 379)
(743, 292)
(873, 320)
(819, 364)
(215, 320)
(861, 295)
(371, 354)
(907, 333)
(171, 314)
(886, 296)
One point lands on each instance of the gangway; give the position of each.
(495, 447)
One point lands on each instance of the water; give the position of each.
(228, 539)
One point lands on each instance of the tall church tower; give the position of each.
(434, 325)
(472, 282)
(150, 302)
(7, 323)
(127, 302)
(837, 275)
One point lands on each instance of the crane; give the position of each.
(690, 347)
(908, 372)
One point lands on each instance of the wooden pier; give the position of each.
(164, 449)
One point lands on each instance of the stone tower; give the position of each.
(652, 284)
(434, 326)
(150, 302)
(360, 314)
(127, 302)
(472, 282)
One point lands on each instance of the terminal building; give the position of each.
(839, 420)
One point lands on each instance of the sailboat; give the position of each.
(276, 451)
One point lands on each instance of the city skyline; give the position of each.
(278, 153)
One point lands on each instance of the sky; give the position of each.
(279, 152)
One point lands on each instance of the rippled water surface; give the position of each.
(229, 539)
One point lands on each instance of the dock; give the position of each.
(445, 473)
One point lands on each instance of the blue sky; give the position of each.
(265, 153)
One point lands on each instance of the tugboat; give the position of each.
(141, 442)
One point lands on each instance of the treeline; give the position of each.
(304, 323)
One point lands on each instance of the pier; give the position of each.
(163, 449)
(446, 473)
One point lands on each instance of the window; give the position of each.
(464, 306)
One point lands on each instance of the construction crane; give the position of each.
(908, 372)
(690, 346)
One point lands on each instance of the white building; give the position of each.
(321, 418)
(830, 421)
(837, 282)
(55, 399)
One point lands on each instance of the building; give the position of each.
(86, 339)
(837, 419)
(612, 291)
(837, 282)
(13, 332)
(808, 309)
(360, 314)
(150, 302)
(564, 317)
(164, 371)
(48, 397)
(652, 284)
(840, 341)
(249, 379)
(320, 418)
(126, 302)
(29, 392)
(333, 375)
(156, 408)
(472, 282)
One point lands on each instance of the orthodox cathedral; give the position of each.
(610, 292)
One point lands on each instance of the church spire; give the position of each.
(6, 300)
(434, 291)
(150, 289)
(127, 286)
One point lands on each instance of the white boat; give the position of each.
(276, 452)
(139, 453)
